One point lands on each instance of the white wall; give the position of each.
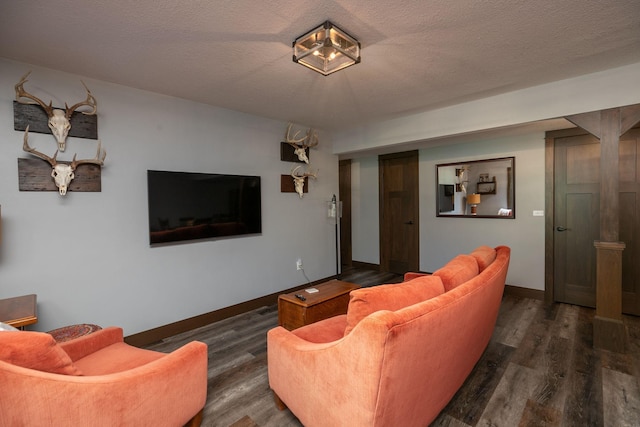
(87, 256)
(365, 234)
(442, 238)
(591, 92)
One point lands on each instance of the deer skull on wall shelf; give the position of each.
(59, 120)
(298, 180)
(300, 145)
(63, 173)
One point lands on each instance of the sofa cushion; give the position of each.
(118, 357)
(35, 350)
(365, 301)
(327, 330)
(484, 256)
(457, 271)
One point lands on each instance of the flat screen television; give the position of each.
(187, 206)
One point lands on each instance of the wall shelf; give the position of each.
(486, 187)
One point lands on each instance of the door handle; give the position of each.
(409, 222)
(559, 228)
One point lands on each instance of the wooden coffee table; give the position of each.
(331, 299)
(18, 311)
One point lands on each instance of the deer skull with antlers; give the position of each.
(300, 145)
(63, 173)
(298, 180)
(59, 121)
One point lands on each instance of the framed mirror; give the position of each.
(477, 189)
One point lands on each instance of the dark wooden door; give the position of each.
(576, 219)
(630, 220)
(576, 222)
(399, 220)
(344, 172)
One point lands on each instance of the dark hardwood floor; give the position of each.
(540, 369)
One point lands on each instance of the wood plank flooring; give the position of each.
(540, 369)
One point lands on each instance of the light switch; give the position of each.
(538, 213)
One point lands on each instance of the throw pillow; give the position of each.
(484, 256)
(365, 301)
(5, 327)
(35, 350)
(457, 271)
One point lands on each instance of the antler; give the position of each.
(21, 93)
(312, 138)
(90, 101)
(288, 139)
(25, 146)
(309, 140)
(98, 160)
(306, 174)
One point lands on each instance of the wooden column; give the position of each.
(607, 125)
(609, 331)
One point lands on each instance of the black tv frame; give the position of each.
(191, 206)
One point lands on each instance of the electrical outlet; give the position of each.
(299, 264)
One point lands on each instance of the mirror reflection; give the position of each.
(477, 188)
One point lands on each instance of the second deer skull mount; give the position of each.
(59, 120)
(298, 180)
(63, 173)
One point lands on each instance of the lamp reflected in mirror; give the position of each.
(473, 200)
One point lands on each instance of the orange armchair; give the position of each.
(99, 380)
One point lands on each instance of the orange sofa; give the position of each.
(98, 380)
(399, 354)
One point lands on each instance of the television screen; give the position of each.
(445, 197)
(189, 206)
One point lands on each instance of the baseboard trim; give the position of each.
(517, 291)
(365, 265)
(157, 334)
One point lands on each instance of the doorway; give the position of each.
(344, 192)
(399, 215)
(573, 195)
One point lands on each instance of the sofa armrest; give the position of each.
(80, 347)
(298, 369)
(413, 275)
(167, 391)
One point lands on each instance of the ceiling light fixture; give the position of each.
(326, 49)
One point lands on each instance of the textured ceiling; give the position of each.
(416, 54)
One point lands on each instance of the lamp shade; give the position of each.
(326, 49)
(473, 199)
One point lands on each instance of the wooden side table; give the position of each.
(18, 311)
(331, 299)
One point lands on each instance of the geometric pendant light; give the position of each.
(326, 49)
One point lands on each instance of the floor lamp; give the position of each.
(334, 212)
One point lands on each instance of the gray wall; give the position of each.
(462, 130)
(87, 256)
(443, 238)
